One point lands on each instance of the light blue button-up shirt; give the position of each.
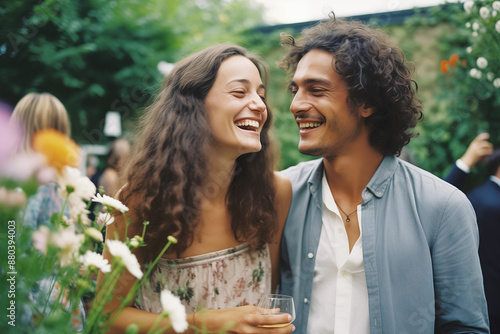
(420, 244)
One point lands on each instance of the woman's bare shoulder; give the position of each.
(283, 196)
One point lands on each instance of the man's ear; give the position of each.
(365, 111)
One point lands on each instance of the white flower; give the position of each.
(475, 73)
(77, 189)
(494, 13)
(496, 5)
(176, 311)
(69, 242)
(94, 234)
(110, 202)
(468, 25)
(474, 34)
(496, 83)
(468, 6)
(79, 186)
(91, 259)
(484, 12)
(475, 26)
(481, 62)
(78, 210)
(490, 76)
(469, 49)
(120, 250)
(497, 26)
(105, 218)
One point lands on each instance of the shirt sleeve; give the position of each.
(42, 206)
(459, 292)
(457, 176)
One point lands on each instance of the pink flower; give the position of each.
(21, 167)
(41, 238)
(12, 197)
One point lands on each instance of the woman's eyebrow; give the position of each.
(247, 82)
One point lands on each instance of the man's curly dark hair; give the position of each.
(375, 74)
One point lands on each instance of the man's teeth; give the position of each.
(248, 123)
(308, 125)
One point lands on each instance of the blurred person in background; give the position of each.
(91, 166)
(478, 150)
(485, 199)
(118, 154)
(35, 112)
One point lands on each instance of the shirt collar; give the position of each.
(377, 185)
(380, 180)
(495, 179)
(314, 181)
(316, 176)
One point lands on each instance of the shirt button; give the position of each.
(310, 255)
(306, 301)
(339, 230)
(345, 273)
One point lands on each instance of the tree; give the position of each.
(467, 92)
(100, 55)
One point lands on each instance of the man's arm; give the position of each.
(460, 301)
(478, 150)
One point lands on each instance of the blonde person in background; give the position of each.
(201, 170)
(35, 112)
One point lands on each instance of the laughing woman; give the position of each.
(201, 170)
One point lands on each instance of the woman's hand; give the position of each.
(243, 319)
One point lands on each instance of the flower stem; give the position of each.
(101, 298)
(157, 322)
(127, 223)
(131, 294)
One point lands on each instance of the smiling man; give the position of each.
(372, 244)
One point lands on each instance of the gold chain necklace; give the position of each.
(347, 215)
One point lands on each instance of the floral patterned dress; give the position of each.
(223, 279)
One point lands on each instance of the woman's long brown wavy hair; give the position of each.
(166, 171)
(375, 73)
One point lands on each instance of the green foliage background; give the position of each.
(457, 107)
(100, 55)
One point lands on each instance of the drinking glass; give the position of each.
(277, 304)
